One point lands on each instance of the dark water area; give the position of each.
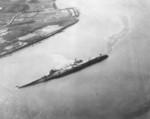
(117, 88)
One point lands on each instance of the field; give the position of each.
(117, 88)
(23, 21)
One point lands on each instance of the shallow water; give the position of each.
(117, 88)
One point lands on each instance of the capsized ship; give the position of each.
(72, 68)
(26, 28)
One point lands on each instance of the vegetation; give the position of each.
(22, 17)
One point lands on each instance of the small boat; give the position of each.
(72, 68)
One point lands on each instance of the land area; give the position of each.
(23, 23)
(118, 88)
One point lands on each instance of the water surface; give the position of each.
(117, 88)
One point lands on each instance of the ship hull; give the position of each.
(66, 72)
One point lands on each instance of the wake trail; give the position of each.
(114, 38)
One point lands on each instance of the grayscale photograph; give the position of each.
(74, 59)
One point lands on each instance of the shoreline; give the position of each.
(63, 23)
